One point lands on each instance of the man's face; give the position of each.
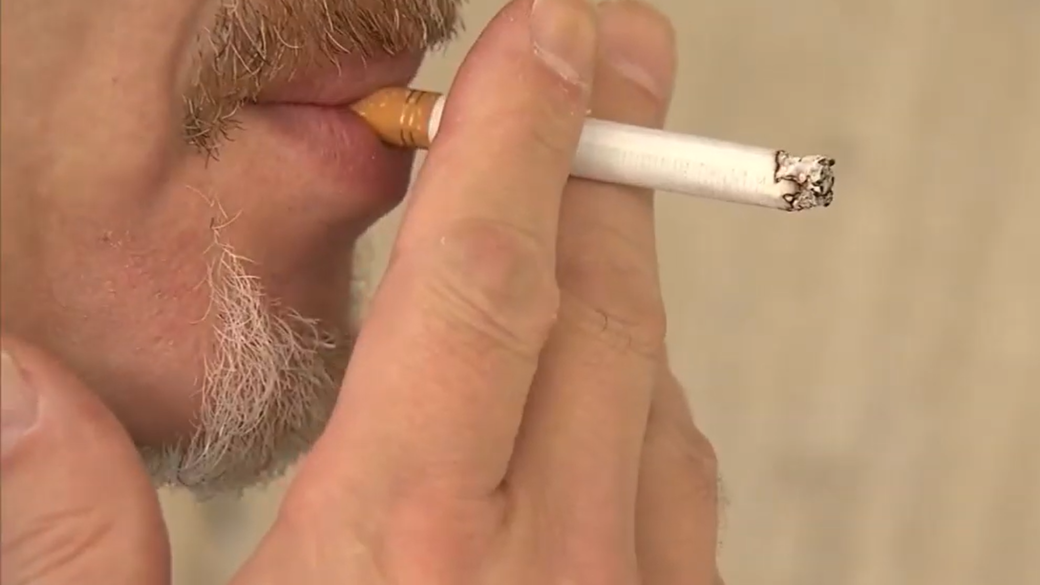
(215, 316)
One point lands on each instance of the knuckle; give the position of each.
(57, 542)
(675, 436)
(495, 281)
(697, 456)
(702, 458)
(550, 125)
(620, 329)
(554, 134)
(609, 568)
(617, 302)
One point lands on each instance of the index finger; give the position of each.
(442, 368)
(510, 126)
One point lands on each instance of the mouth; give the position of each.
(312, 105)
(343, 82)
(318, 134)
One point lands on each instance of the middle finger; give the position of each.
(586, 417)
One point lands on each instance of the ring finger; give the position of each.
(582, 435)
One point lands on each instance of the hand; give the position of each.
(508, 416)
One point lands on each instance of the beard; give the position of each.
(272, 375)
(269, 386)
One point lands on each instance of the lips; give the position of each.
(332, 153)
(343, 82)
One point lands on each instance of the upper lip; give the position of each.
(343, 82)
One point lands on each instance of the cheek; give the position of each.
(125, 312)
(310, 174)
(121, 297)
(305, 266)
(295, 216)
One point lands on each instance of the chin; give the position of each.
(284, 215)
(218, 325)
(286, 203)
(268, 384)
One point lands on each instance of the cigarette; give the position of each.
(639, 157)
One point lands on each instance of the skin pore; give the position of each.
(211, 311)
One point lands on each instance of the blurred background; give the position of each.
(870, 374)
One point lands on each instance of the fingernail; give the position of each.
(18, 404)
(638, 42)
(564, 36)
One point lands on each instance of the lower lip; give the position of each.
(330, 132)
(337, 144)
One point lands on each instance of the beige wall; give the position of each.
(869, 374)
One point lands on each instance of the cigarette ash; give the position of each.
(812, 179)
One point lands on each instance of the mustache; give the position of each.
(253, 43)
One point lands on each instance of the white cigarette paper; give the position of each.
(655, 159)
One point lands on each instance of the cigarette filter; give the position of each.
(640, 157)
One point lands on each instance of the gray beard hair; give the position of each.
(269, 388)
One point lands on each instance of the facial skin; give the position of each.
(508, 415)
(213, 315)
